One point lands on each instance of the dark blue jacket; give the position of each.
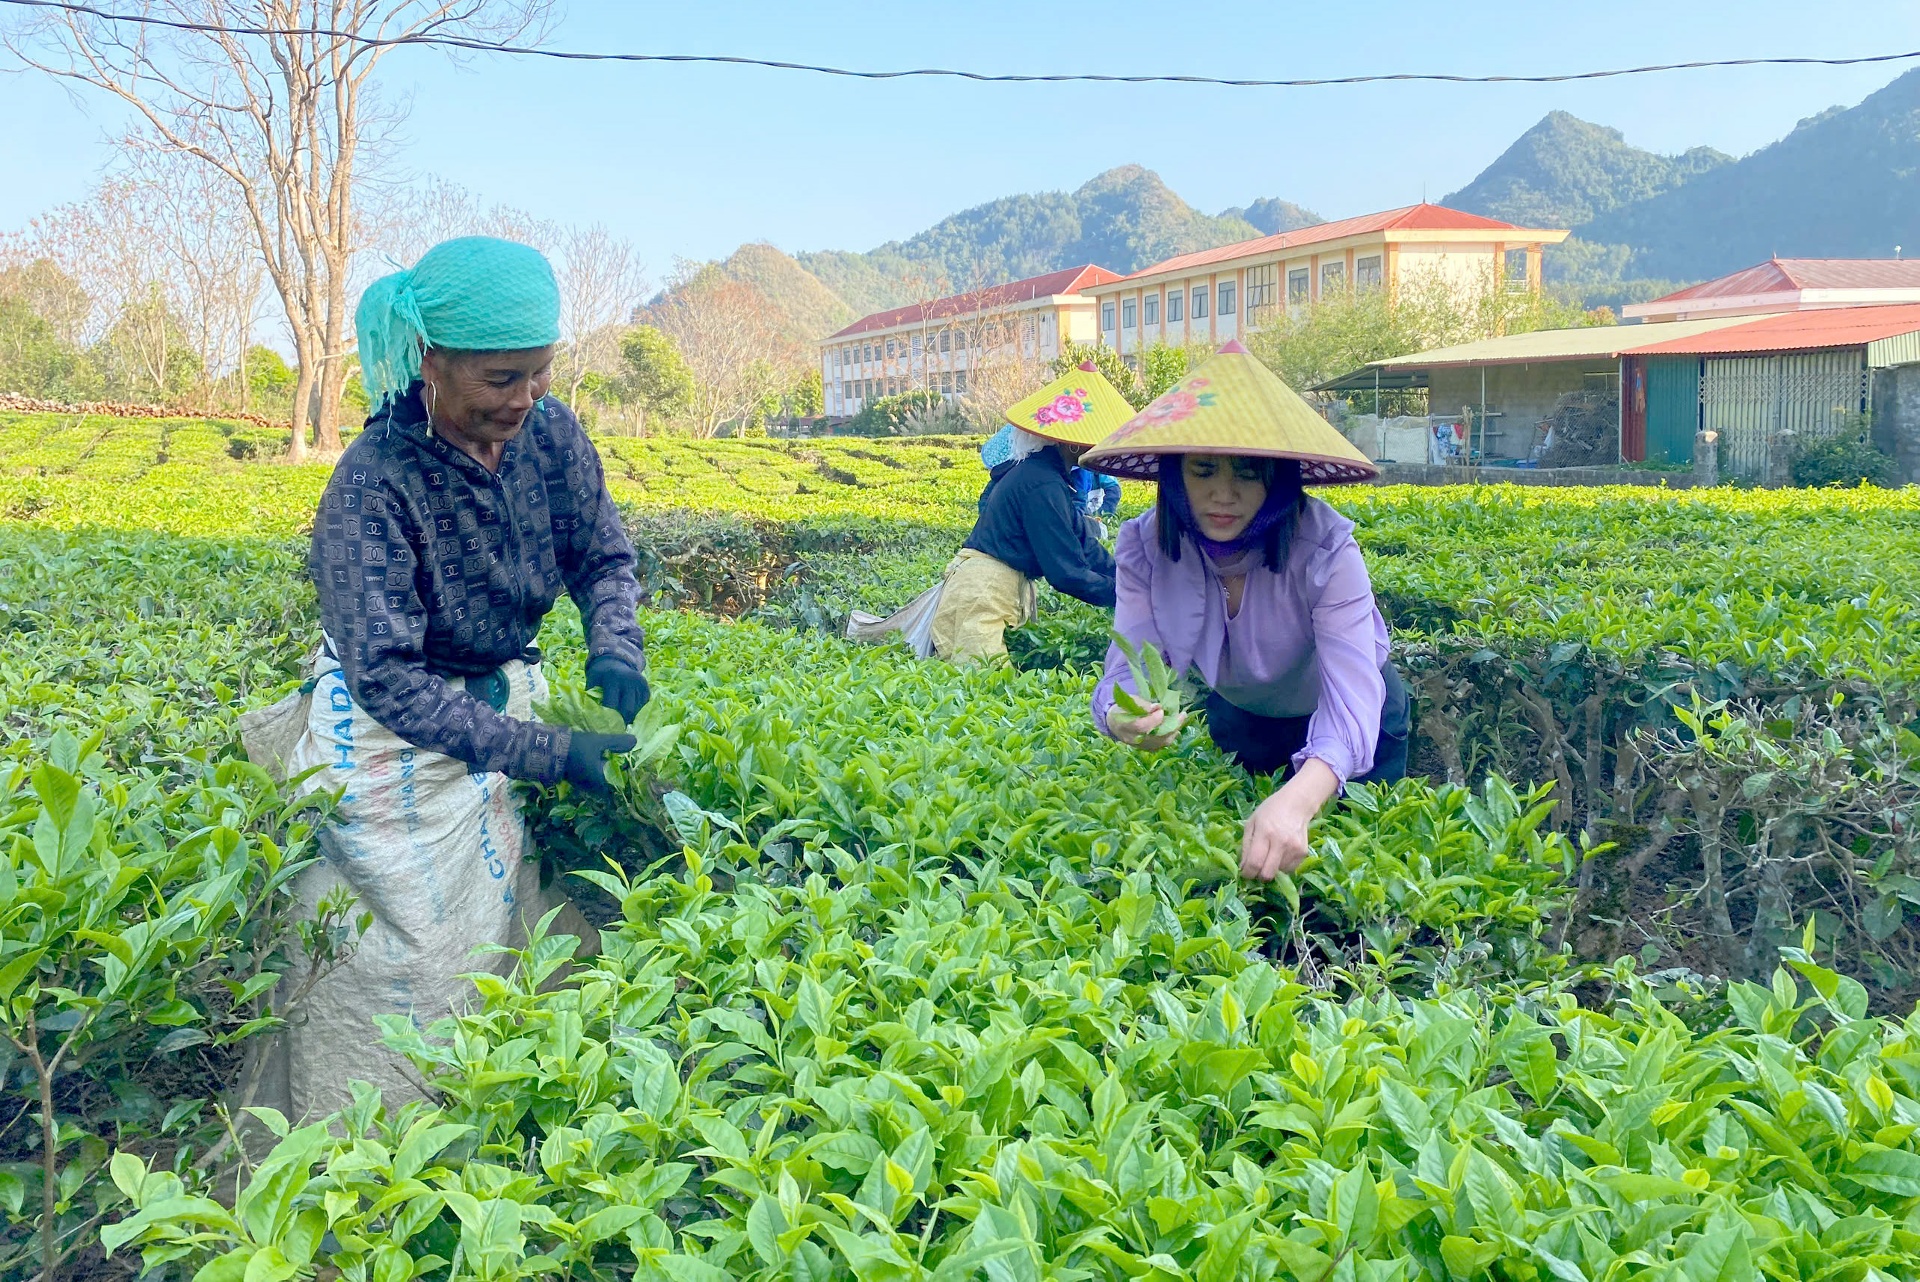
(430, 566)
(1029, 519)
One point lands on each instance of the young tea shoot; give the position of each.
(1154, 683)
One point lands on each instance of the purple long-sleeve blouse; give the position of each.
(1308, 639)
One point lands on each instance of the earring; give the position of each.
(433, 403)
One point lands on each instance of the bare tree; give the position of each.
(601, 282)
(1002, 351)
(213, 271)
(732, 342)
(46, 287)
(288, 118)
(402, 222)
(112, 244)
(165, 260)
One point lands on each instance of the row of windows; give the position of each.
(1202, 296)
(949, 340)
(865, 389)
(866, 353)
(1263, 284)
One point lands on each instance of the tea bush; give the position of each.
(967, 988)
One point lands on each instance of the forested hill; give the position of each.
(1123, 219)
(1843, 184)
(1565, 171)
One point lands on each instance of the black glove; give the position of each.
(586, 767)
(621, 686)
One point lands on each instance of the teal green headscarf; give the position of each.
(474, 294)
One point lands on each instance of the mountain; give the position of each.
(807, 307)
(1565, 172)
(1843, 184)
(1270, 216)
(1124, 219)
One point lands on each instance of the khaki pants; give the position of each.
(979, 600)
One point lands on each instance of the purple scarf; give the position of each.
(1279, 505)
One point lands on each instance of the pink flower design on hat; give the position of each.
(1064, 408)
(1172, 407)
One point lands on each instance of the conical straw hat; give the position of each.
(1079, 408)
(1232, 404)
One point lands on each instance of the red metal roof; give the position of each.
(1790, 275)
(1795, 332)
(1407, 218)
(1070, 280)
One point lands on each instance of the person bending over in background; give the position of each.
(1099, 497)
(1030, 524)
(1237, 573)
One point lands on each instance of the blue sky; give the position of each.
(691, 161)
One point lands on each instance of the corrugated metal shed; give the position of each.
(1789, 275)
(1901, 349)
(1595, 342)
(1790, 332)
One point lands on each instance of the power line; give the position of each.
(483, 46)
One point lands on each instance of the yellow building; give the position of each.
(934, 345)
(1218, 294)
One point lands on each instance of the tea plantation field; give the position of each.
(909, 974)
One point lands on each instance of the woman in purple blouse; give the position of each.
(1238, 574)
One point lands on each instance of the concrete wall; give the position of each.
(1522, 394)
(1463, 268)
(1433, 475)
(1896, 417)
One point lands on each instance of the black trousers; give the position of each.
(1263, 745)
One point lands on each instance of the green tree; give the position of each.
(891, 415)
(1342, 333)
(269, 382)
(1161, 366)
(654, 378)
(1110, 365)
(808, 399)
(36, 361)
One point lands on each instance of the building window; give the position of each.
(1126, 313)
(960, 381)
(1150, 310)
(1515, 268)
(1333, 278)
(916, 347)
(946, 381)
(1199, 302)
(1227, 300)
(946, 340)
(1176, 305)
(1263, 291)
(1366, 273)
(866, 353)
(1299, 287)
(1106, 316)
(1131, 362)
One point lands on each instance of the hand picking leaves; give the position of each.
(1154, 683)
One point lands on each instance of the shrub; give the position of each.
(1110, 364)
(1846, 459)
(891, 415)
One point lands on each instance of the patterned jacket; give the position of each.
(429, 566)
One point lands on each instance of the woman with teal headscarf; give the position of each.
(449, 527)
